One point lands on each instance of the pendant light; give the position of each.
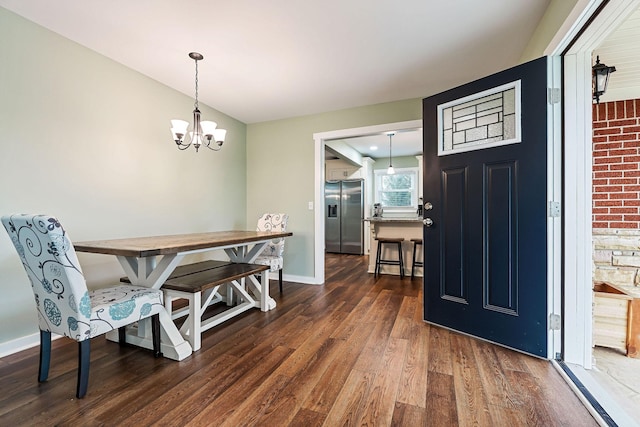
(390, 171)
(204, 132)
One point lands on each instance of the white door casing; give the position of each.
(319, 141)
(577, 163)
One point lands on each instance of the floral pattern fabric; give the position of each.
(272, 255)
(64, 304)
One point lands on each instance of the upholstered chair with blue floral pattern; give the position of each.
(64, 304)
(272, 255)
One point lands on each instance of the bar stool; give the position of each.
(379, 261)
(415, 263)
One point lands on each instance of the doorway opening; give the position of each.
(590, 27)
(320, 140)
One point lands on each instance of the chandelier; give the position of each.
(204, 132)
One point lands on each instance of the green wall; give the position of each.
(281, 164)
(87, 140)
(398, 162)
(553, 18)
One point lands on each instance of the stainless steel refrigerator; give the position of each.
(343, 214)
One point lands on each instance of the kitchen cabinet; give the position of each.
(337, 170)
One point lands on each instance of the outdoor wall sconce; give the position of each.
(600, 76)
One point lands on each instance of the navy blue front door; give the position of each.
(486, 250)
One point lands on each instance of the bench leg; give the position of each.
(168, 302)
(264, 290)
(230, 296)
(195, 326)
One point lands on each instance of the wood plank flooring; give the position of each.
(352, 352)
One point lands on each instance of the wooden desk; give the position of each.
(148, 261)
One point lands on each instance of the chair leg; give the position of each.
(376, 270)
(413, 261)
(84, 350)
(400, 259)
(280, 279)
(155, 332)
(45, 355)
(122, 335)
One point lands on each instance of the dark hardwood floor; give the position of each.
(352, 352)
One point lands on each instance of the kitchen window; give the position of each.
(397, 192)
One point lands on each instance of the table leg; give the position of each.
(261, 290)
(146, 272)
(264, 292)
(241, 255)
(173, 345)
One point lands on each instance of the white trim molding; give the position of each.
(14, 346)
(577, 162)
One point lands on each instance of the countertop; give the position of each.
(410, 219)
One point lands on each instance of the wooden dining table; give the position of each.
(149, 261)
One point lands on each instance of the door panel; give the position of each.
(500, 229)
(453, 284)
(485, 255)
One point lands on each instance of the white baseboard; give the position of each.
(307, 280)
(19, 344)
(10, 347)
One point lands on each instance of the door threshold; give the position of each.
(599, 403)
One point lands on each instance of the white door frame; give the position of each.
(319, 140)
(577, 162)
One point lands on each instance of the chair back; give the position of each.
(273, 222)
(50, 261)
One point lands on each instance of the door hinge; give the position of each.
(554, 322)
(553, 95)
(554, 209)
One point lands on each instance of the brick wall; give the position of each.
(616, 165)
(616, 194)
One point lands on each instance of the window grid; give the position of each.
(393, 193)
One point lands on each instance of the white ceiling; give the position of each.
(621, 49)
(403, 143)
(266, 60)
